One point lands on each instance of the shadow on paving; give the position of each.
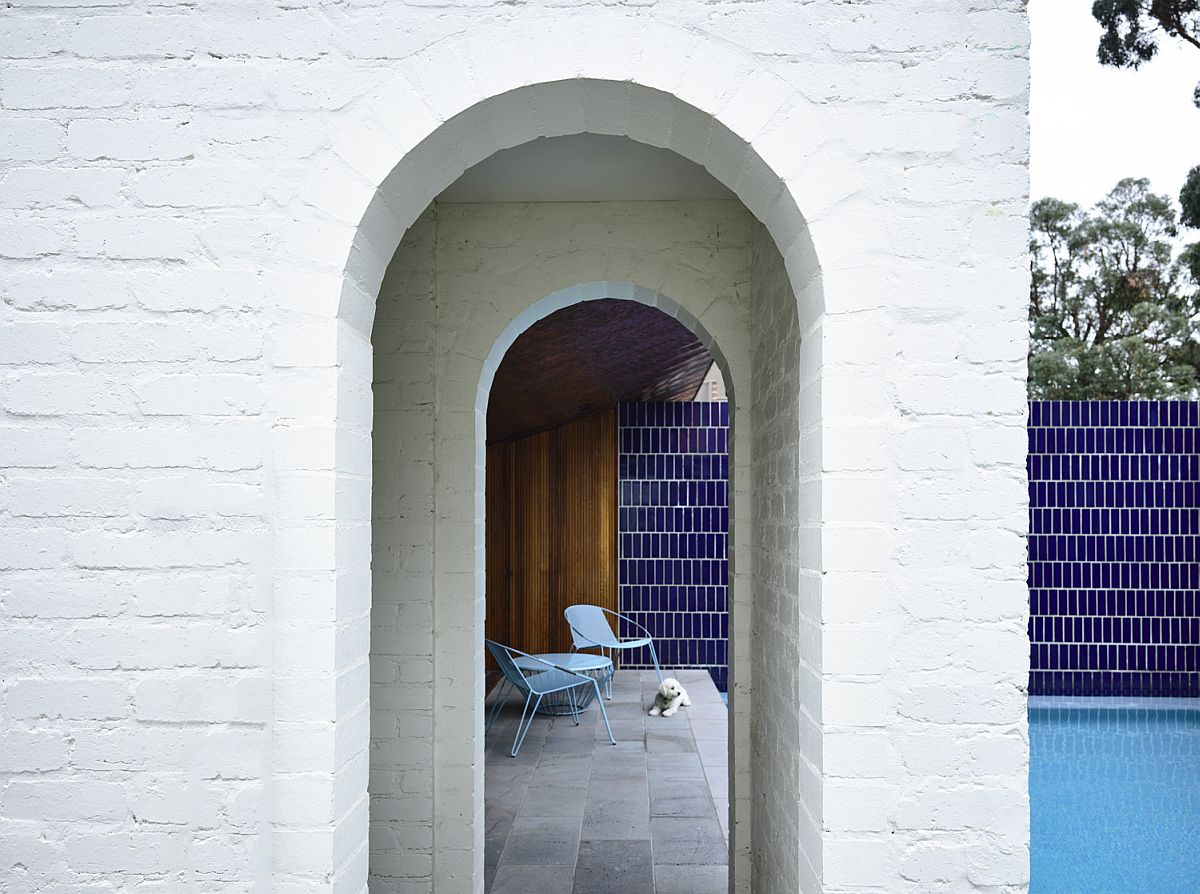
(574, 813)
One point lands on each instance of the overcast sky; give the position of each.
(1091, 125)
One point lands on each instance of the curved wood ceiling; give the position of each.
(589, 357)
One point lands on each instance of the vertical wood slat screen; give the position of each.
(551, 534)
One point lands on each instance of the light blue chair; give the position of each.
(536, 685)
(590, 630)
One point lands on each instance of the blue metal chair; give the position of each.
(536, 686)
(590, 630)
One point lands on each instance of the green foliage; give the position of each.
(1189, 199)
(1112, 314)
(1128, 37)
(1131, 28)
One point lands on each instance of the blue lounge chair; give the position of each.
(536, 685)
(590, 630)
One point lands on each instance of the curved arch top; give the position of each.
(596, 291)
(656, 84)
(562, 108)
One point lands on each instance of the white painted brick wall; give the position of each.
(195, 214)
(781, 634)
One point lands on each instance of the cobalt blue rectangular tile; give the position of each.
(672, 525)
(1114, 562)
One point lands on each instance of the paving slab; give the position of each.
(614, 867)
(691, 879)
(573, 813)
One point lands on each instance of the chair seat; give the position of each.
(632, 643)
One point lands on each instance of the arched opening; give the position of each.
(607, 485)
(427, 617)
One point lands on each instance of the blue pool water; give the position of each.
(1114, 796)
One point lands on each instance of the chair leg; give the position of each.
(495, 712)
(521, 732)
(612, 667)
(574, 705)
(654, 658)
(603, 713)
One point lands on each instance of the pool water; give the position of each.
(1114, 795)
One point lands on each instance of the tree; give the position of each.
(1112, 314)
(1130, 37)
(1189, 200)
(1131, 29)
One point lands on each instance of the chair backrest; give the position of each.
(503, 655)
(589, 627)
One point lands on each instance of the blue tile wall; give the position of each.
(1114, 528)
(673, 532)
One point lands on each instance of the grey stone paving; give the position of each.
(574, 814)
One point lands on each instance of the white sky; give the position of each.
(1090, 125)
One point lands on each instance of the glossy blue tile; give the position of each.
(1114, 565)
(673, 521)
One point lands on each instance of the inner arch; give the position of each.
(594, 291)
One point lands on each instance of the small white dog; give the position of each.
(669, 697)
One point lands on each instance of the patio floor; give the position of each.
(573, 813)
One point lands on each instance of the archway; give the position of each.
(606, 484)
(772, 363)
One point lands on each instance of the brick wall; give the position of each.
(673, 532)
(1114, 519)
(169, 181)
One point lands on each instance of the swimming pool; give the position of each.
(1114, 795)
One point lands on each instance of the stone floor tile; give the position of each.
(690, 879)
(625, 818)
(516, 878)
(670, 797)
(712, 752)
(718, 781)
(544, 800)
(722, 808)
(624, 787)
(542, 841)
(689, 841)
(675, 766)
(624, 753)
(673, 743)
(613, 773)
(613, 867)
(570, 770)
(504, 793)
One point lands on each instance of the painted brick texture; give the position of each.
(197, 208)
(1114, 530)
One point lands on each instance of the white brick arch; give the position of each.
(661, 86)
(582, 104)
(467, 97)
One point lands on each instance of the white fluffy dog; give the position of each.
(669, 697)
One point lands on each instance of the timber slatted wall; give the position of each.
(551, 532)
